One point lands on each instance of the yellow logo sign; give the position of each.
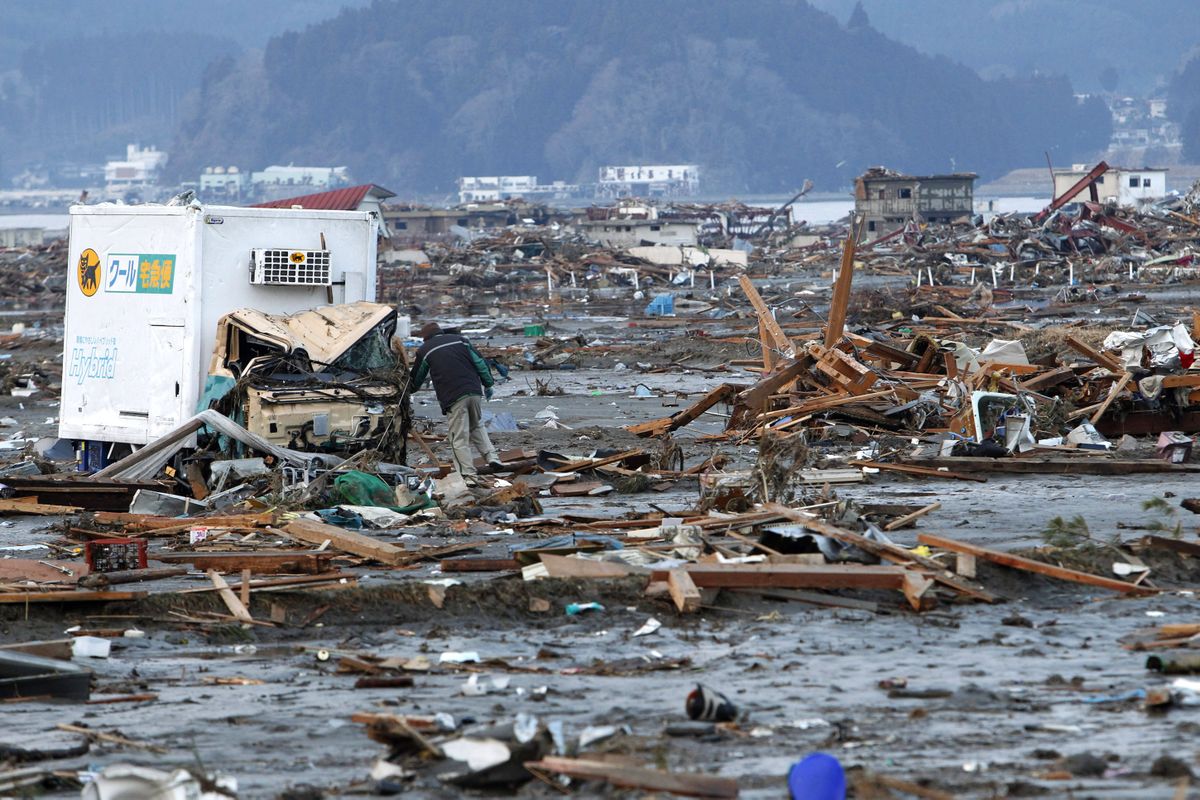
(89, 272)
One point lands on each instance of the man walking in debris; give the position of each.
(460, 379)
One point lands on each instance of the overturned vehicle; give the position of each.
(325, 380)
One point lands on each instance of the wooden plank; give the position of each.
(480, 564)
(259, 562)
(567, 567)
(913, 469)
(148, 522)
(915, 586)
(886, 552)
(756, 396)
(657, 427)
(270, 584)
(791, 576)
(643, 778)
(317, 533)
(1048, 379)
(1029, 565)
(907, 519)
(97, 580)
(1109, 362)
(50, 648)
(235, 606)
(19, 506)
(683, 591)
(1117, 387)
(69, 597)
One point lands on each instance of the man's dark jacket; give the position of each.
(457, 369)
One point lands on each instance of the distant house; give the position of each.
(367, 197)
(139, 169)
(888, 199)
(1124, 186)
(421, 222)
(620, 233)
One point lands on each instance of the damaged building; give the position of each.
(887, 200)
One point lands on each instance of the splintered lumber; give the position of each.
(657, 427)
(824, 403)
(643, 778)
(841, 289)
(886, 552)
(231, 600)
(683, 591)
(756, 396)
(317, 533)
(913, 469)
(767, 322)
(1029, 565)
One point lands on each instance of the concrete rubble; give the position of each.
(921, 504)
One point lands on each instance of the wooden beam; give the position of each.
(69, 597)
(1029, 565)
(766, 318)
(235, 606)
(317, 533)
(896, 524)
(260, 562)
(886, 552)
(19, 506)
(1117, 387)
(683, 591)
(643, 778)
(840, 301)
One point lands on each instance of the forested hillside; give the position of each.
(413, 93)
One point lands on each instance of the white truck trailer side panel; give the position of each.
(146, 287)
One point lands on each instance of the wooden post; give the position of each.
(841, 290)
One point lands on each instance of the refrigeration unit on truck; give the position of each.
(148, 284)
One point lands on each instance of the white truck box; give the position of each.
(146, 287)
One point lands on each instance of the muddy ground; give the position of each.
(1001, 701)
